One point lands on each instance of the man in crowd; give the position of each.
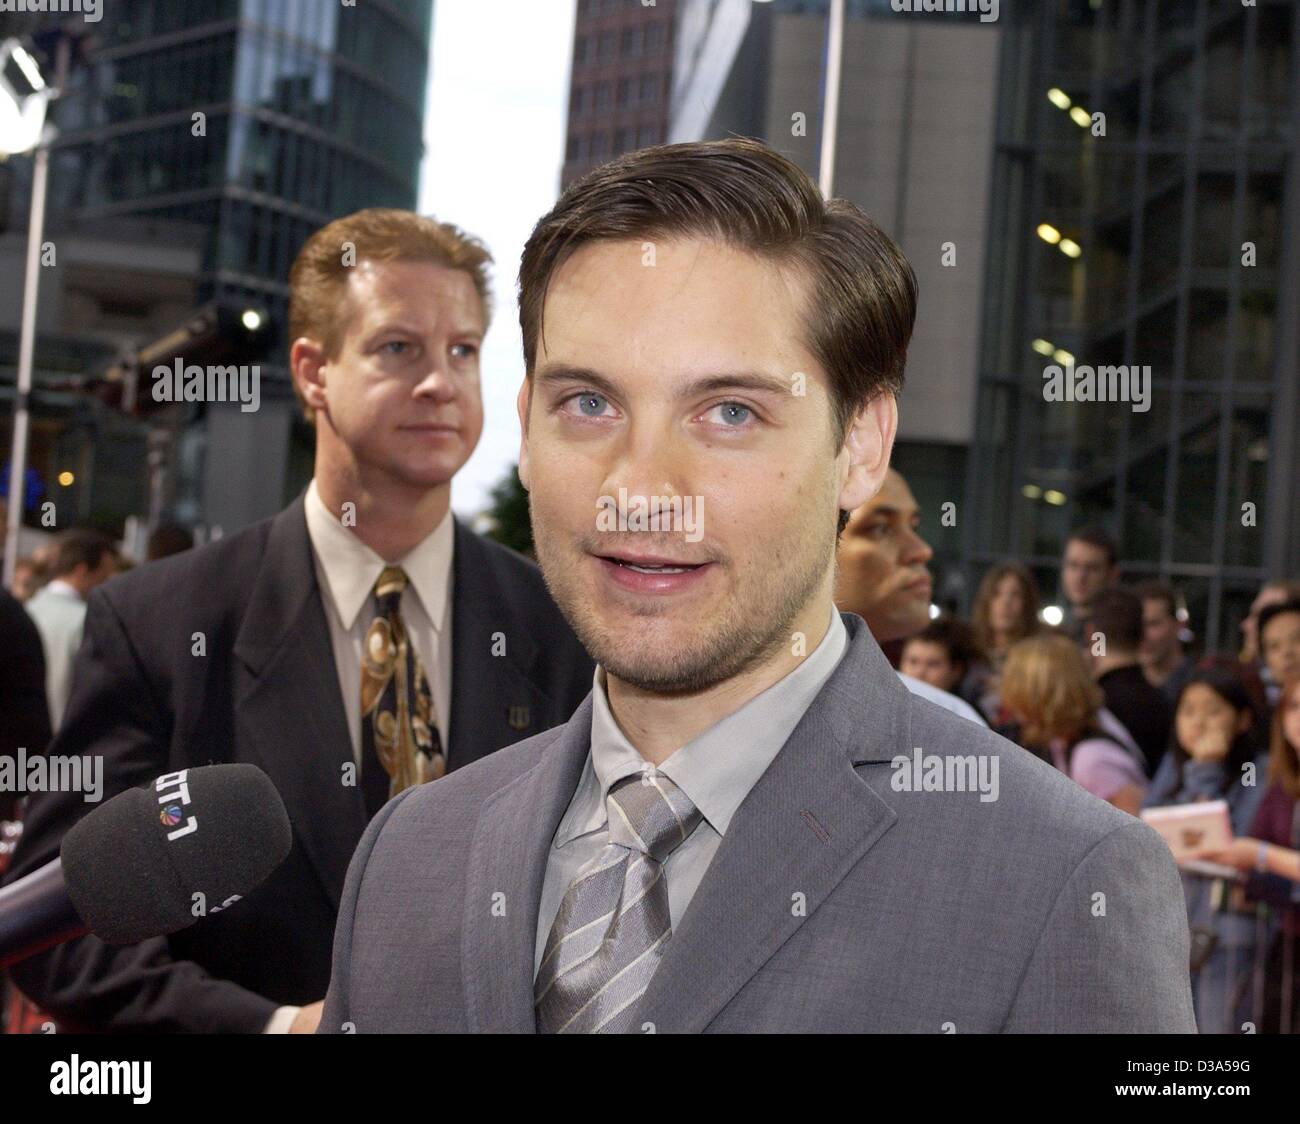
(722, 837)
(1115, 623)
(1089, 565)
(360, 642)
(1162, 656)
(881, 575)
(81, 560)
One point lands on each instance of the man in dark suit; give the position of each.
(360, 642)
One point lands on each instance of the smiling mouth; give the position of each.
(651, 566)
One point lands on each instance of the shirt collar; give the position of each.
(350, 568)
(717, 768)
(63, 589)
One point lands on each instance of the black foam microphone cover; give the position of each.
(135, 867)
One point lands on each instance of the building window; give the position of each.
(654, 37)
(578, 102)
(649, 88)
(599, 144)
(649, 135)
(624, 91)
(602, 96)
(580, 49)
(606, 49)
(631, 42)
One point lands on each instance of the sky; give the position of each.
(494, 145)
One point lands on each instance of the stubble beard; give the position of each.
(743, 632)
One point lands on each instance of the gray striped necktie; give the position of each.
(614, 923)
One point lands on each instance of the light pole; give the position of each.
(23, 129)
(830, 96)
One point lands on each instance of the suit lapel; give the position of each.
(494, 701)
(503, 889)
(287, 704)
(806, 823)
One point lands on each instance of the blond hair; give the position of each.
(318, 277)
(1047, 687)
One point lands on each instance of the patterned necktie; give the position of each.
(613, 923)
(398, 729)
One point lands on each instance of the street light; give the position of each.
(24, 98)
(831, 96)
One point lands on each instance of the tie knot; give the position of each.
(650, 814)
(389, 585)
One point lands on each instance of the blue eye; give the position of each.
(730, 410)
(391, 344)
(585, 400)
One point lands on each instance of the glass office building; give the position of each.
(1145, 214)
(309, 111)
(252, 123)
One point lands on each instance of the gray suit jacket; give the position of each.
(835, 902)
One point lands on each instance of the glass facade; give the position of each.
(308, 111)
(1150, 237)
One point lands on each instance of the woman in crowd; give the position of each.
(1270, 856)
(1053, 703)
(1005, 611)
(1216, 755)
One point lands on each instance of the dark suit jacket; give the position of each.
(24, 711)
(839, 899)
(266, 692)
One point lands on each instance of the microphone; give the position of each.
(151, 861)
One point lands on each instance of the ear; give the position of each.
(307, 366)
(522, 402)
(867, 446)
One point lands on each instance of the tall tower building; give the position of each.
(619, 87)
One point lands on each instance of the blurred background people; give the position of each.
(1217, 734)
(82, 561)
(1278, 633)
(1270, 593)
(1164, 661)
(1112, 642)
(1005, 610)
(1089, 564)
(1054, 704)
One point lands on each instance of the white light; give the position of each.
(1032, 492)
(1052, 615)
(1055, 498)
(934, 611)
(1043, 347)
(1048, 233)
(1058, 98)
(1063, 357)
(252, 319)
(28, 66)
(1070, 248)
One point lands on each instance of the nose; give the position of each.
(436, 383)
(647, 462)
(916, 551)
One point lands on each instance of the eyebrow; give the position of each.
(560, 374)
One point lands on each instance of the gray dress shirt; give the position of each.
(715, 769)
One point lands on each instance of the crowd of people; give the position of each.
(1113, 697)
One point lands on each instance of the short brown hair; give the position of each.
(1159, 591)
(320, 271)
(79, 547)
(1117, 615)
(1099, 537)
(1283, 757)
(747, 195)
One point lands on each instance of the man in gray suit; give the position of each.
(750, 824)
